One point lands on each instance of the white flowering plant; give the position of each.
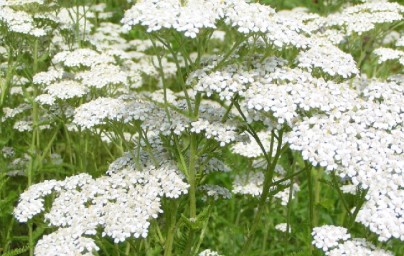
(201, 127)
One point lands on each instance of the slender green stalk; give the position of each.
(180, 76)
(192, 191)
(163, 80)
(191, 176)
(341, 195)
(311, 200)
(5, 87)
(289, 206)
(35, 144)
(127, 249)
(203, 232)
(263, 200)
(171, 227)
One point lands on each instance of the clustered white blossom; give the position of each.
(328, 236)
(81, 57)
(9, 113)
(66, 89)
(19, 22)
(216, 191)
(386, 54)
(363, 144)
(212, 164)
(252, 184)
(329, 59)
(282, 227)
(357, 134)
(209, 252)
(189, 18)
(361, 18)
(252, 148)
(122, 203)
(7, 152)
(97, 111)
(102, 75)
(249, 184)
(102, 110)
(19, 2)
(285, 95)
(336, 241)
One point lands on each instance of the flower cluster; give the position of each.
(361, 18)
(329, 59)
(21, 22)
(386, 54)
(335, 241)
(82, 204)
(365, 145)
(216, 191)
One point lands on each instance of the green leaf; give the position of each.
(17, 251)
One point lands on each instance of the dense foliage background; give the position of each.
(105, 106)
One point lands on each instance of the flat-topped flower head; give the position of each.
(388, 54)
(81, 58)
(66, 89)
(122, 203)
(335, 241)
(329, 59)
(20, 2)
(209, 252)
(215, 191)
(102, 75)
(19, 22)
(361, 18)
(188, 19)
(98, 111)
(328, 236)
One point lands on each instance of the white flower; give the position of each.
(65, 242)
(209, 252)
(386, 54)
(249, 184)
(81, 57)
(363, 144)
(122, 204)
(335, 241)
(102, 75)
(189, 18)
(361, 18)
(19, 2)
(48, 77)
(282, 227)
(327, 237)
(216, 191)
(97, 111)
(19, 22)
(66, 89)
(252, 148)
(329, 59)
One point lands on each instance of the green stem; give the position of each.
(127, 249)
(5, 87)
(205, 226)
(265, 192)
(180, 76)
(340, 194)
(192, 190)
(191, 177)
(311, 201)
(163, 80)
(35, 143)
(289, 207)
(171, 227)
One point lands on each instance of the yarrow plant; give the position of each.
(201, 127)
